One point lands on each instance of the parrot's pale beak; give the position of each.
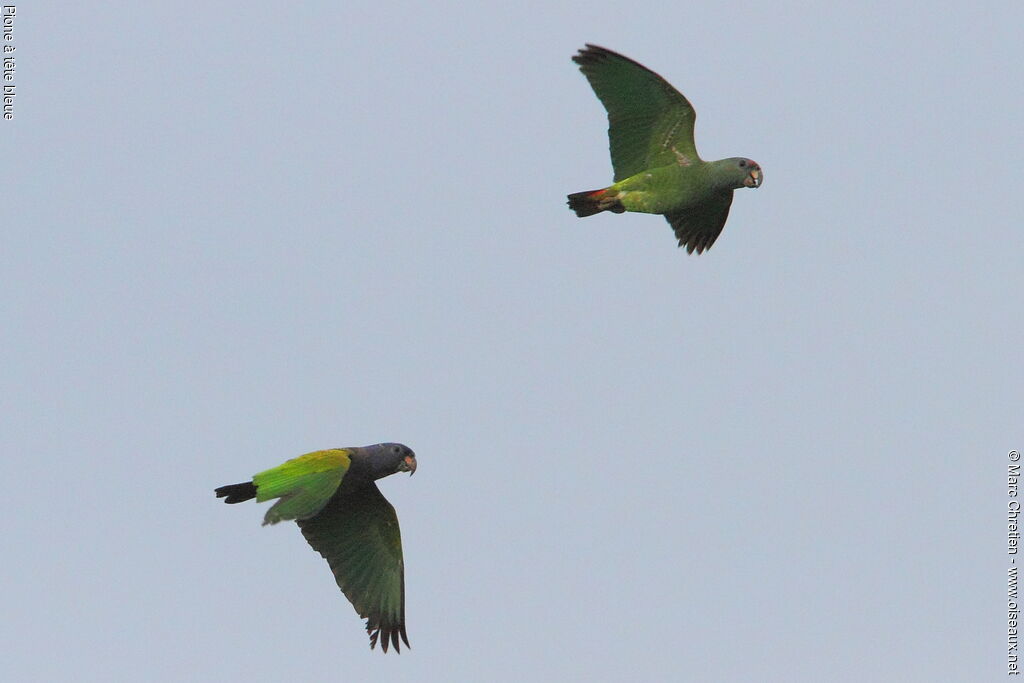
(754, 178)
(408, 465)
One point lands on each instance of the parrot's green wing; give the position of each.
(650, 123)
(303, 484)
(358, 535)
(698, 227)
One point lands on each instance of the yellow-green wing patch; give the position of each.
(303, 484)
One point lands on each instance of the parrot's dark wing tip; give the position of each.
(591, 54)
(390, 637)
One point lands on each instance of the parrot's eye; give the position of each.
(743, 162)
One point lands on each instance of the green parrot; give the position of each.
(332, 496)
(657, 169)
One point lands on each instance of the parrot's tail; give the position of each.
(236, 493)
(594, 201)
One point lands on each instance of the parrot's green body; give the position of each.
(332, 496)
(657, 168)
(669, 188)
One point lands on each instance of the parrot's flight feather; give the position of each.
(698, 228)
(358, 535)
(650, 123)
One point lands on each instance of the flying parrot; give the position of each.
(657, 169)
(332, 496)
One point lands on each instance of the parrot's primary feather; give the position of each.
(650, 123)
(698, 228)
(358, 535)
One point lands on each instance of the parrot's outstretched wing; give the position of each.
(650, 123)
(698, 227)
(357, 533)
(303, 484)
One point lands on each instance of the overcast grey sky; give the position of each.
(234, 233)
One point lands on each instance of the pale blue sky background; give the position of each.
(234, 233)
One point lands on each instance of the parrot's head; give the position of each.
(393, 457)
(735, 172)
(751, 171)
(739, 172)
